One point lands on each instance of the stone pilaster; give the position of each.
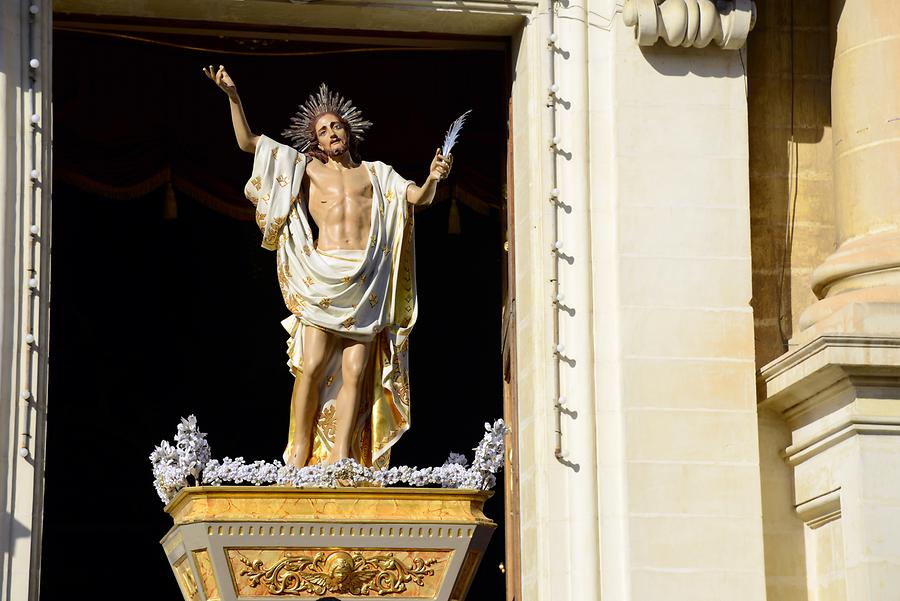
(24, 287)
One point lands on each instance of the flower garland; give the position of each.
(188, 463)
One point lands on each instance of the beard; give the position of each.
(337, 149)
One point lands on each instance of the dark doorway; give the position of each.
(164, 304)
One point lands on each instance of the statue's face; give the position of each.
(332, 135)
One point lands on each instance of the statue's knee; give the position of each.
(354, 371)
(314, 367)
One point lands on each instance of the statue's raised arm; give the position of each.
(246, 139)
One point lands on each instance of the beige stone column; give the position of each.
(838, 389)
(865, 98)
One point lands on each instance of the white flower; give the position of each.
(174, 467)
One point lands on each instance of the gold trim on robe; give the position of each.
(365, 295)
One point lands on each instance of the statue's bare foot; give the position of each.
(337, 454)
(299, 456)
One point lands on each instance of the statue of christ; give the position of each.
(351, 291)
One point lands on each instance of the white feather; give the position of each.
(453, 133)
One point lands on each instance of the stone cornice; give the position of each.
(824, 361)
(691, 23)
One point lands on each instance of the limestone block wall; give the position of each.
(792, 231)
(671, 398)
(672, 193)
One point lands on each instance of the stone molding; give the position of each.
(691, 23)
(821, 510)
(832, 388)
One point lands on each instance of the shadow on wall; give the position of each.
(789, 109)
(711, 61)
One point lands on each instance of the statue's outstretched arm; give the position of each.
(440, 169)
(246, 139)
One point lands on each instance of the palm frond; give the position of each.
(453, 133)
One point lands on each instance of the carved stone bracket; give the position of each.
(691, 23)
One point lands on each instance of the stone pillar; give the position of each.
(838, 389)
(24, 287)
(865, 99)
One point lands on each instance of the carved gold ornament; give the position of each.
(337, 572)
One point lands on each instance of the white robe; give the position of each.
(373, 299)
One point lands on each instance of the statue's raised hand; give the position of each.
(440, 165)
(222, 79)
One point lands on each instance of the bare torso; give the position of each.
(340, 202)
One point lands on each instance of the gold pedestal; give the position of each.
(234, 543)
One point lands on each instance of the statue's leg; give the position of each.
(353, 369)
(316, 346)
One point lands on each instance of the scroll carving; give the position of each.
(691, 23)
(337, 572)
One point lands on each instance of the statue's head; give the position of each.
(325, 123)
(334, 137)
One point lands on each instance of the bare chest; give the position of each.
(347, 191)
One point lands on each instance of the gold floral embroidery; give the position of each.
(346, 279)
(274, 154)
(372, 170)
(389, 195)
(265, 197)
(329, 381)
(381, 209)
(298, 159)
(373, 300)
(325, 303)
(295, 304)
(401, 385)
(274, 226)
(373, 241)
(347, 323)
(307, 250)
(327, 421)
(257, 182)
(308, 281)
(385, 250)
(404, 346)
(261, 221)
(362, 279)
(282, 181)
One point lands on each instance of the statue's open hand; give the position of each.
(440, 165)
(222, 79)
